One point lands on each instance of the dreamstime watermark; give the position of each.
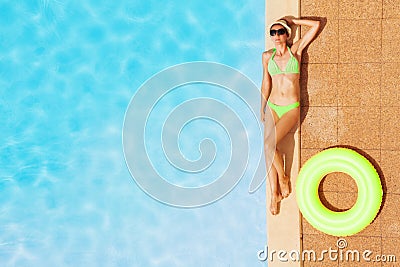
(339, 253)
(245, 135)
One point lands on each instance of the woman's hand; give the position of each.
(289, 19)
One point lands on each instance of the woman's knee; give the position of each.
(269, 149)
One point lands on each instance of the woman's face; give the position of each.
(279, 34)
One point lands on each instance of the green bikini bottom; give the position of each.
(282, 110)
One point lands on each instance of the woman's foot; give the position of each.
(275, 204)
(284, 184)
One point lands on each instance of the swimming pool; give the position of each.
(68, 70)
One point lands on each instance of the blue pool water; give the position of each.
(68, 70)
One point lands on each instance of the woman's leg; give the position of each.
(283, 179)
(276, 196)
(282, 128)
(269, 143)
(286, 123)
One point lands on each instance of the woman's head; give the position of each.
(280, 31)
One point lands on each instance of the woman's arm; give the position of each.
(308, 36)
(265, 84)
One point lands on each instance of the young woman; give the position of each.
(280, 92)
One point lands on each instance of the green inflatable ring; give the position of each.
(369, 198)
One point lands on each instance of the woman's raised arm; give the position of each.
(308, 36)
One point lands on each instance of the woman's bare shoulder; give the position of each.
(267, 54)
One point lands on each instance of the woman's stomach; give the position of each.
(285, 90)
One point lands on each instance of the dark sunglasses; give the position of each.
(280, 31)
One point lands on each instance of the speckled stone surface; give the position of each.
(360, 9)
(319, 128)
(390, 128)
(359, 84)
(390, 93)
(359, 126)
(321, 8)
(359, 40)
(324, 49)
(361, 46)
(390, 168)
(390, 40)
(391, 9)
(319, 85)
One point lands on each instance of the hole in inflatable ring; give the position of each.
(338, 191)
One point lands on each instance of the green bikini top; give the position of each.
(291, 67)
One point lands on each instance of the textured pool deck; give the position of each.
(350, 84)
(350, 96)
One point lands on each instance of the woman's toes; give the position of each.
(275, 204)
(284, 184)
